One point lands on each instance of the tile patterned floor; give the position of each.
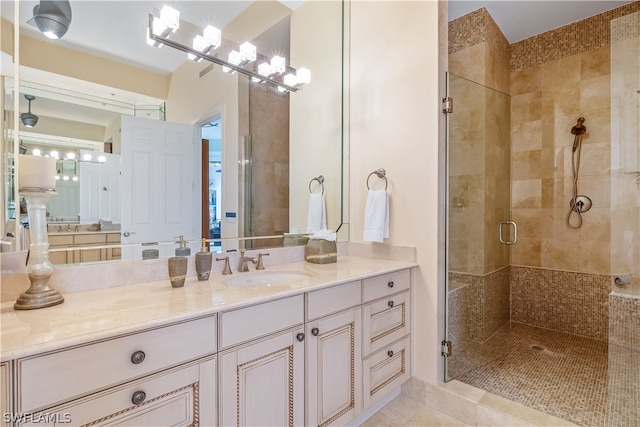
(556, 373)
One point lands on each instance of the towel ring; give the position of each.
(380, 173)
(320, 179)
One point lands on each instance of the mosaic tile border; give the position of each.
(578, 37)
(591, 33)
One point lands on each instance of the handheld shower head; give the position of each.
(578, 130)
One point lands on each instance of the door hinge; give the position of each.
(447, 105)
(446, 348)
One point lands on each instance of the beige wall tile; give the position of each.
(469, 63)
(595, 93)
(526, 107)
(595, 63)
(526, 136)
(526, 193)
(561, 100)
(525, 81)
(526, 165)
(560, 72)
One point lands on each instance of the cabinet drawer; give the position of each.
(387, 284)
(89, 239)
(244, 324)
(113, 238)
(64, 240)
(332, 300)
(167, 398)
(55, 377)
(385, 321)
(386, 370)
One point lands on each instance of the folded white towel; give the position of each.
(316, 216)
(376, 216)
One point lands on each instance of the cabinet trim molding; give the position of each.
(196, 405)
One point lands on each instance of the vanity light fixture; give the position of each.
(166, 28)
(36, 152)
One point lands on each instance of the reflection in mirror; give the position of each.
(257, 148)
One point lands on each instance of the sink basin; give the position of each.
(265, 279)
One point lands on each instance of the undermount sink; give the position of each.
(265, 279)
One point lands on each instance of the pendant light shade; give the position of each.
(29, 119)
(52, 18)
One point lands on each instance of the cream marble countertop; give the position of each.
(99, 314)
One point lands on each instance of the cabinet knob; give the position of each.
(315, 332)
(390, 284)
(137, 357)
(390, 303)
(390, 353)
(138, 397)
(300, 337)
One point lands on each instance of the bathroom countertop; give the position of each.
(99, 314)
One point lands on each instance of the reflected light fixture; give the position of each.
(166, 28)
(52, 17)
(29, 119)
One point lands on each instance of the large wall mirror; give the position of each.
(247, 161)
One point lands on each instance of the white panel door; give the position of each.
(100, 188)
(160, 182)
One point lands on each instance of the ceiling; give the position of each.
(116, 29)
(521, 19)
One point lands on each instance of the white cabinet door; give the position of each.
(334, 366)
(6, 393)
(262, 384)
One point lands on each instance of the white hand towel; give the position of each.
(376, 216)
(316, 216)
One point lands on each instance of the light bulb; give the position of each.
(54, 154)
(248, 52)
(65, 178)
(213, 36)
(71, 156)
(265, 69)
(278, 64)
(235, 57)
(37, 152)
(102, 159)
(86, 157)
(170, 18)
(201, 45)
(57, 177)
(303, 75)
(290, 79)
(75, 178)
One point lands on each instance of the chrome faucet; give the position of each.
(260, 265)
(243, 261)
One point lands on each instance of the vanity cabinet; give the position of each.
(86, 241)
(133, 376)
(386, 334)
(333, 356)
(262, 364)
(6, 393)
(262, 384)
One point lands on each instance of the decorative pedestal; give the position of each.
(39, 268)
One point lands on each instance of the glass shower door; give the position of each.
(477, 293)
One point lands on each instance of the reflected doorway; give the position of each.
(212, 181)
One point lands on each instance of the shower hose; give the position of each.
(574, 205)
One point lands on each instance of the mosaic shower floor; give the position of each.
(562, 375)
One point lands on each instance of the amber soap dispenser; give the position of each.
(204, 259)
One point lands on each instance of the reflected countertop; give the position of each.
(103, 313)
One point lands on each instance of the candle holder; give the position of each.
(39, 268)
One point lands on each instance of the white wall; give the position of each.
(395, 111)
(315, 128)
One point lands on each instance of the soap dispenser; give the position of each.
(204, 259)
(182, 249)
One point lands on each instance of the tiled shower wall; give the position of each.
(269, 128)
(554, 78)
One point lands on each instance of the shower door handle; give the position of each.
(515, 233)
